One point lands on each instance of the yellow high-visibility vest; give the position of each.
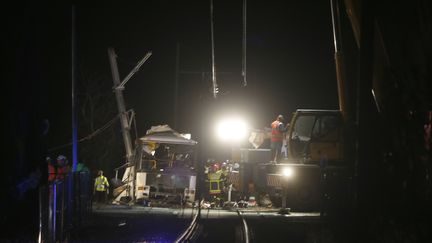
(214, 180)
(101, 183)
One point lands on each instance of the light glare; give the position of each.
(232, 130)
(287, 172)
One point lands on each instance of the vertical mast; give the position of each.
(338, 57)
(120, 104)
(214, 84)
(74, 101)
(244, 45)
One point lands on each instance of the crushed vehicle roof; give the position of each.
(163, 134)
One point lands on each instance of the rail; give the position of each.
(191, 232)
(245, 228)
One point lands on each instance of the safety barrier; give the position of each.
(63, 205)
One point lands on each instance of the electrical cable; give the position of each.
(88, 137)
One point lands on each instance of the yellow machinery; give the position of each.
(316, 137)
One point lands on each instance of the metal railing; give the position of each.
(64, 204)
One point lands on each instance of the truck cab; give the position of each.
(317, 155)
(316, 137)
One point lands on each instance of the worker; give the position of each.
(101, 187)
(215, 178)
(277, 136)
(224, 169)
(62, 167)
(81, 167)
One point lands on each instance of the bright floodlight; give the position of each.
(233, 129)
(287, 172)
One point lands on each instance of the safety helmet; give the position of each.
(62, 160)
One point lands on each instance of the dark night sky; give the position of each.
(289, 57)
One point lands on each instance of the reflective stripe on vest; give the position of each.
(214, 182)
(214, 187)
(276, 135)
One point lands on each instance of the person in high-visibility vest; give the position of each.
(277, 136)
(101, 187)
(215, 178)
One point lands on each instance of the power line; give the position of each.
(88, 137)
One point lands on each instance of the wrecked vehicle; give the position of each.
(162, 170)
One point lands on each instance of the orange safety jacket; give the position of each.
(51, 173)
(61, 172)
(276, 134)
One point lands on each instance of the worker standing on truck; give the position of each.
(101, 186)
(277, 136)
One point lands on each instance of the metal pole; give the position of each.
(134, 70)
(176, 80)
(120, 104)
(284, 195)
(74, 101)
(244, 44)
(340, 75)
(123, 120)
(215, 87)
(50, 212)
(54, 213)
(62, 210)
(70, 191)
(41, 213)
(334, 25)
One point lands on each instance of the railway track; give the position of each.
(215, 225)
(231, 227)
